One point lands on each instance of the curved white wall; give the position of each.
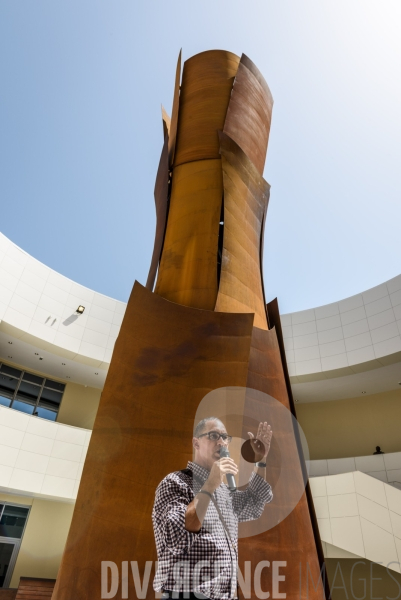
(361, 329)
(39, 304)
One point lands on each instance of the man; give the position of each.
(195, 517)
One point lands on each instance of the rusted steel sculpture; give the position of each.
(204, 327)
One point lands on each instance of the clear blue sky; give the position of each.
(80, 135)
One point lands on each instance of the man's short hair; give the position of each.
(202, 425)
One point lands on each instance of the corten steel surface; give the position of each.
(174, 114)
(188, 267)
(166, 359)
(246, 195)
(249, 112)
(205, 93)
(161, 194)
(166, 122)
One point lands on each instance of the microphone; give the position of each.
(232, 486)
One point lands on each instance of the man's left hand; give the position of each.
(261, 444)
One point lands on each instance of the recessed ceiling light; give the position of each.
(10, 343)
(363, 392)
(80, 309)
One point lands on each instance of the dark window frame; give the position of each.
(40, 387)
(15, 541)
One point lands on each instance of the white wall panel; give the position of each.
(40, 457)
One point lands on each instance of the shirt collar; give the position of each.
(198, 471)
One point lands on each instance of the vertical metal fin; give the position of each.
(174, 113)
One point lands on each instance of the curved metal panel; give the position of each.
(166, 359)
(292, 539)
(246, 195)
(249, 112)
(166, 122)
(161, 195)
(188, 266)
(174, 113)
(205, 93)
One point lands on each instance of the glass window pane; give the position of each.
(6, 551)
(13, 521)
(4, 401)
(28, 392)
(10, 371)
(55, 385)
(8, 385)
(45, 413)
(50, 399)
(32, 378)
(23, 407)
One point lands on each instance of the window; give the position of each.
(13, 519)
(30, 393)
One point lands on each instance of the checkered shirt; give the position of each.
(205, 561)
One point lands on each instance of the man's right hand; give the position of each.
(219, 469)
(196, 510)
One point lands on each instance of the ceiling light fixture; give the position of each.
(363, 392)
(10, 343)
(40, 357)
(80, 309)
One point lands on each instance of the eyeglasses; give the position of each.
(214, 436)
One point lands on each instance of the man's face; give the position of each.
(208, 451)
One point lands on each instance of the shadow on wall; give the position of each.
(70, 320)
